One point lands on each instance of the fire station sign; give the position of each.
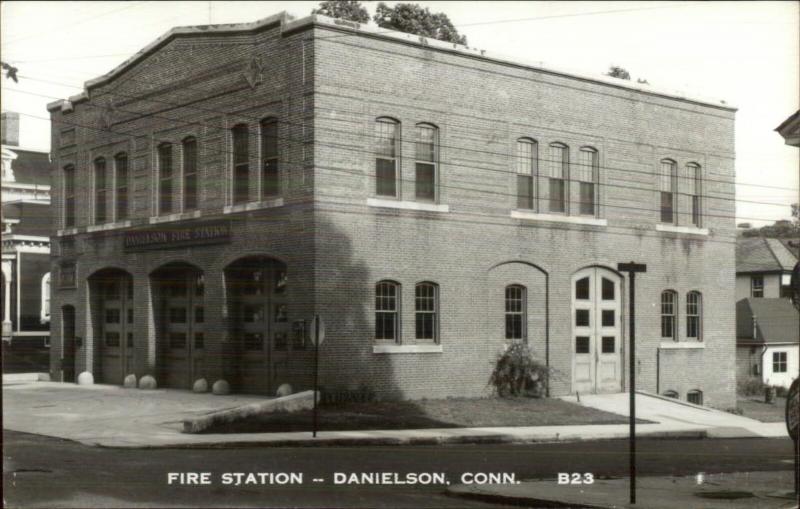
(170, 237)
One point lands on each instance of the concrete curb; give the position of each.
(25, 377)
(461, 491)
(393, 441)
(292, 403)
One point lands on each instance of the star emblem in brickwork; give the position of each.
(254, 74)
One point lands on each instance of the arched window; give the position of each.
(387, 307)
(695, 396)
(387, 156)
(100, 190)
(270, 176)
(69, 196)
(426, 162)
(121, 186)
(694, 316)
(426, 308)
(241, 163)
(693, 181)
(44, 315)
(516, 319)
(527, 165)
(671, 394)
(165, 176)
(669, 301)
(189, 147)
(559, 176)
(587, 174)
(668, 180)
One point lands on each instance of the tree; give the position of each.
(351, 10)
(414, 19)
(616, 71)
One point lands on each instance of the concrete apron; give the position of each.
(650, 407)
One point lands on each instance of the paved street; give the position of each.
(47, 472)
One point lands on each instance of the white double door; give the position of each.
(596, 331)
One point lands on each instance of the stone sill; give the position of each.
(107, 226)
(682, 345)
(535, 216)
(242, 207)
(692, 230)
(407, 205)
(174, 217)
(67, 231)
(407, 349)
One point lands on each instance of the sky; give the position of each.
(745, 53)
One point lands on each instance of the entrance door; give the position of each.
(596, 331)
(115, 318)
(68, 343)
(261, 325)
(182, 334)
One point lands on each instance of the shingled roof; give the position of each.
(758, 254)
(776, 321)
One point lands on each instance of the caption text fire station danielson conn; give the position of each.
(357, 478)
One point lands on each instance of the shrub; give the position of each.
(735, 410)
(343, 396)
(750, 387)
(781, 391)
(517, 373)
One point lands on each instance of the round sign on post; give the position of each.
(317, 330)
(793, 410)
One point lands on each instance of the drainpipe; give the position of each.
(547, 331)
(658, 370)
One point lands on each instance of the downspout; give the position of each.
(658, 369)
(547, 331)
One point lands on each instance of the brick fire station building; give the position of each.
(431, 202)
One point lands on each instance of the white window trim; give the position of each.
(682, 345)
(44, 313)
(690, 230)
(408, 205)
(558, 218)
(390, 349)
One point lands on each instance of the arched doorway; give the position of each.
(596, 331)
(260, 327)
(68, 343)
(179, 310)
(111, 292)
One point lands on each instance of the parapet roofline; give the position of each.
(289, 25)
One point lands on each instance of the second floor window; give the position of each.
(426, 309)
(121, 183)
(165, 177)
(189, 174)
(100, 190)
(516, 322)
(694, 314)
(667, 179)
(587, 176)
(527, 171)
(426, 162)
(669, 329)
(241, 163)
(693, 182)
(559, 173)
(69, 197)
(270, 177)
(757, 286)
(386, 311)
(386, 156)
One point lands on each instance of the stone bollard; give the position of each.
(86, 378)
(200, 385)
(148, 383)
(129, 382)
(284, 390)
(221, 387)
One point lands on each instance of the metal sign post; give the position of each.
(318, 336)
(632, 268)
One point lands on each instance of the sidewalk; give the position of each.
(741, 490)
(112, 416)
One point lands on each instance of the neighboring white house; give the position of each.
(767, 340)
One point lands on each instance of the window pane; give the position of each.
(581, 317)
(190, 192)
(425, 185)
(241, 149)
(582, 289)
(177, 340)
(558, 161)
(608, 289)
(609, 344)
(253, 341)
(609, 317)
(426, 143)
(386, 139)
(524, 192)
(587, 199)
(165, 197)
(666, 207)
(121, 165)
(556, 195)
(525, 154)
(270, 178)
(587, 166)
(582, 344)
(385, 178)
(241, 184)
(112, 339)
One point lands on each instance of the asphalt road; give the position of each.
(46, 472)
